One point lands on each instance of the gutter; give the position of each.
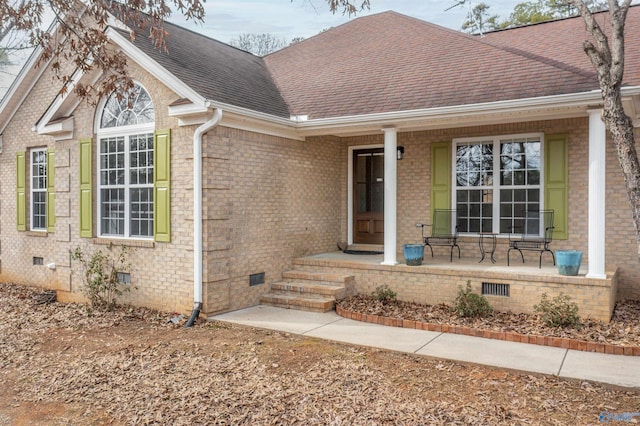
(197, 213)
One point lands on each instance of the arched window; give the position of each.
(127, 111)
(125, 166)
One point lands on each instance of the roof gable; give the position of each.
(217, 71)
(392, 62)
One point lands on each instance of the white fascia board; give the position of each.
(249, 113)
(155, 69)
(112, 21)
(574, 103)
(237, 118)
(24, 82)
(254, 121)
(189, 114)
(27, 78)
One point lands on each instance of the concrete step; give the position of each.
(314, 289)
(301, 303)
(322, 277)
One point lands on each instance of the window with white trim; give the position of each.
(125, 166)
(496, 181)
(38, 194)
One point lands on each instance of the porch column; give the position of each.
(390, 188)
(597, 194)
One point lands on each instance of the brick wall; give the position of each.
(267, 200)
(434, 284)
(280, 200)
(414, 195)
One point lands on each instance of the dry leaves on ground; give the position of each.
(63, 364)
(624, 328)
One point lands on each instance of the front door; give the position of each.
(368, 203)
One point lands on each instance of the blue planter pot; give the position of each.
(568, 261)
(413, 254)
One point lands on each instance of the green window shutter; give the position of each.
(161, 185)
(21, 185)
(440, 176)
(86, 188)
(51, 193)
(556, 179)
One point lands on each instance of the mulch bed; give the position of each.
(620, 336)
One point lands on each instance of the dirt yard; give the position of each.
(65, 365)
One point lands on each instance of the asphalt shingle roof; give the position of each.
(217, 71)
(562, 40)
(392, 62)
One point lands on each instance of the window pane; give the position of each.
(112, 211)
(474, 164)
(141, 212)
(141, 159)
(472, 213)
(112, 161)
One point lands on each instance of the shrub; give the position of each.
(100, 275)
(384, 294)
(558, 312)
(468, 304)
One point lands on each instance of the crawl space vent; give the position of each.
(256, 279)
(495, 289)
(124, 278)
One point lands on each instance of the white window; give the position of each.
(125, 164)
(497, 180)
(38, 189)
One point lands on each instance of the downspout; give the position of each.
(197, 213)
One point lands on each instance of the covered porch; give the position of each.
(517, 287)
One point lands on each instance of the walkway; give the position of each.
(619, 370)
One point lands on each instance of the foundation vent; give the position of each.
(38, 261)
(495, 289)
(124, 278)
(256, 279)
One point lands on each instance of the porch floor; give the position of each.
(442, 263)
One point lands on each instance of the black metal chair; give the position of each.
(535, 234)
(444, 231)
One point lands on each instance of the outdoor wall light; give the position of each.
(400, 152)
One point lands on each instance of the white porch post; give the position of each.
(597, 195)
(390, 189)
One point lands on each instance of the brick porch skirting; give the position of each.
(559, 342)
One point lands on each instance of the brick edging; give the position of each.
(558, 342)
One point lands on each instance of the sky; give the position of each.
(226, 19)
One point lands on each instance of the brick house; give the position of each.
(298, 150)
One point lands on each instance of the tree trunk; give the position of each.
(607, 58)
(620, 127)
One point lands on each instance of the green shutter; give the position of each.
(51, 193)
(556, 178)
(161, 185)
(440, 177)
(86, 188)
(21, 185)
